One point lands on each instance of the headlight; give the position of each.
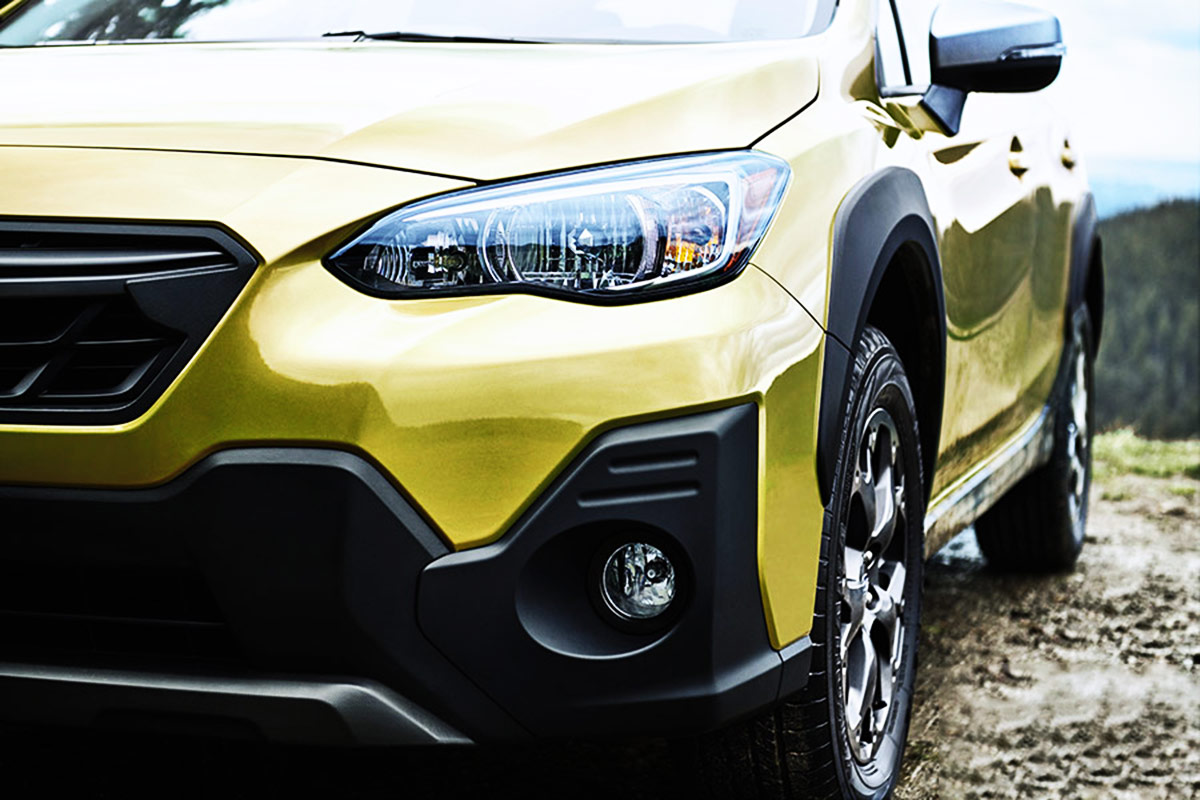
(626, 232)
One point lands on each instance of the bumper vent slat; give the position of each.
(86, 333)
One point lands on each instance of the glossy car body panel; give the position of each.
(483, 111)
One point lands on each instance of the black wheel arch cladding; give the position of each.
(1087, 270)
(884, 217)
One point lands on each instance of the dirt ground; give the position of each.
(1084, 685)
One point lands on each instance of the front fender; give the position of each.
(884, 214)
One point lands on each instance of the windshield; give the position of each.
(29, 22)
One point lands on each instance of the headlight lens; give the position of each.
(628, 231)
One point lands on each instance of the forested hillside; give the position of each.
(1148, 373)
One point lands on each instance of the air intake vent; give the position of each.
(96, 320)
(107, 612)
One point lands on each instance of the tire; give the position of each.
(826, 742)
(1039, 525)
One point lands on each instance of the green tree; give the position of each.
(1148, 372)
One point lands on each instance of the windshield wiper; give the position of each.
(409, 36)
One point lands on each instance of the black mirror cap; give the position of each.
(994, 46)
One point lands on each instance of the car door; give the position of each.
(1050, 166)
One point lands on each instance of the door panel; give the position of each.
(1054, 207)
(986, 248)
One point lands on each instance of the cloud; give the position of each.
(1130, 85)
(1170, 22)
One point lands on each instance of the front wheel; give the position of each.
(843, 734)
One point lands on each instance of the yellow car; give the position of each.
(487, 370)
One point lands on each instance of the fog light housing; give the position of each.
(638, 582)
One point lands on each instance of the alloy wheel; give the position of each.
(872, 586)
(1077, 435)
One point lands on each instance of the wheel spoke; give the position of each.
(854, 689)
(884, 524)
(893, 619)
(1079, 394)
(854, 598)
(864, 488)
(897, 575)
(870, 683)
(884, 693)
(1077, 432)
(862, 681)
(1075, 457)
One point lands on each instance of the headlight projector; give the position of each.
(638, 582)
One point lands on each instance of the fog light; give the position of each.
(638, 581)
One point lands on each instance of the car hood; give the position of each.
(465, 110)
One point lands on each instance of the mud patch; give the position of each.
(1084, 685)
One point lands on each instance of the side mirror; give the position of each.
(988, 46)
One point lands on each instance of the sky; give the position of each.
(1130, 89)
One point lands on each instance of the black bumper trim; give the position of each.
(302, 711)
(517, 617)
(311, 557)
(319, 567)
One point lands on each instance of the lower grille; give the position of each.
(108, 614)
(96, 320)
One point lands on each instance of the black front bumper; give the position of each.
(297, 592)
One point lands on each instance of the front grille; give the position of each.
(109, 613)
(96, 320)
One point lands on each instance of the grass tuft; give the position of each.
(1122, 452)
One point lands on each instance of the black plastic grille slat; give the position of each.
(56, 610)
(86, 333)
(41, 251)
(107, 377)
(104, 352)
(18, 374)
(33, 261)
